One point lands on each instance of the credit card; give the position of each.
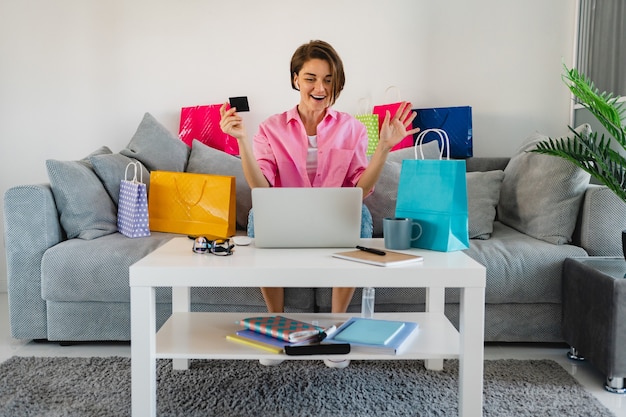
(241, 103)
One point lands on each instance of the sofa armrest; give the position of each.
(31, 226)
(601, 219)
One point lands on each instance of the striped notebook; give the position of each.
(280, 327)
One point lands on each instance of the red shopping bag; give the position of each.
(203, 123)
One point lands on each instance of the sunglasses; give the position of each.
(219, 247)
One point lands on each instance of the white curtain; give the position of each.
(602, 44)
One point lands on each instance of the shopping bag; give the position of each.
(192, 204)
(370, 121)
(132, 209)
(457, 123)
(381, 110)
(203, 123)
(434, 193)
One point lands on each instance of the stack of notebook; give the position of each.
(274, 333)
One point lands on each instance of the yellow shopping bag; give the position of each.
(192, 204)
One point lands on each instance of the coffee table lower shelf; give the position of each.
(203, 336)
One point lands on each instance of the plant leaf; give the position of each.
(596, 157)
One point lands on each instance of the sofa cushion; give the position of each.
(520, 268)
(156, 147)
(206, 160)
(102, 278)
(603, 217)
(541, 194)
(102, 275)
(111, 169)
(483, 194)
(85, 208)
(382, 202)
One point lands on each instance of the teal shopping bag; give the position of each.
(434, 194)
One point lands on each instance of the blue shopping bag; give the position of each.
(434, 194)
(455, 121)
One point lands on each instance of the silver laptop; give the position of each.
(307, 217)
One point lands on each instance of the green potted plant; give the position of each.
(592, 153)
(589, 152)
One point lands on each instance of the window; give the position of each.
(601, 44)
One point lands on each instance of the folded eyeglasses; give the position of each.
(219, 247)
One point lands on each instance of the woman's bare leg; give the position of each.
(274, 299)
(341, 299)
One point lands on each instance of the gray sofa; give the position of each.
(68, 266)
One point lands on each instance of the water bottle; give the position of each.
(367, 303)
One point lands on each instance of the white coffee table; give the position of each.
(188, 335)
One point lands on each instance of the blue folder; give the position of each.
(368, 331)
(395, 344)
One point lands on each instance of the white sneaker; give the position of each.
(340, 364)
(270, 362)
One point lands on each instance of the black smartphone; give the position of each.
(329, 349)
(241, 103)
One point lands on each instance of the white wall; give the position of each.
(77, 74)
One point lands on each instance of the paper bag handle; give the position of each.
(387, 94)
(136, 166)
(443, 136)
(181, 197)
(365, 106)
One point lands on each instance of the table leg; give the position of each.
(471, 356)
(143, 351)
(181, 303)
(435, 303)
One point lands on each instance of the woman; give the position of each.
(313, 145)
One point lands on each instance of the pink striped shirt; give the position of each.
(281, 146)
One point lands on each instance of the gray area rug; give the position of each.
(101, 387)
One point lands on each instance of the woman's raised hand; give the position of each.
(393, 130)
(231, 123)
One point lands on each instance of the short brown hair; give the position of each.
(317, 49)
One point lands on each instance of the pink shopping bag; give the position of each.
(203, 123)
(381, 111)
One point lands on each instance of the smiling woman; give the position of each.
(313, 145)
(317, 92)
(323, 66)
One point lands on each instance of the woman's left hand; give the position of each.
(393, 130)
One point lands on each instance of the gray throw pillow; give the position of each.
(382, 202)
(541, 194)
(206, 160)
(86, 210)
(483, 194)
(156, 147)
(111, 169)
